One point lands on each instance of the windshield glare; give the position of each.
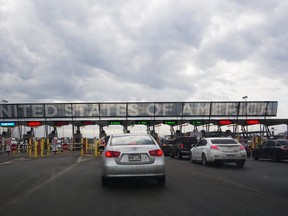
(132, 140)
(283, 142)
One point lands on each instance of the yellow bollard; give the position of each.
(48, 146)
(96, 146)
(86, 146)
(42, 147)
(95, 149)
(81, 151)
(35, 149)
(97, 152)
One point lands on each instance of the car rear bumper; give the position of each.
(227, 157)
(112, 169)
(185, 152)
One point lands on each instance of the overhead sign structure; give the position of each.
(138, 110)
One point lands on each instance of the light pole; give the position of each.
(245, 98)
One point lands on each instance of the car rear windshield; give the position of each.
(187, 140)
(168, 141)
(283, 142)
(132, 140)
(223, 141)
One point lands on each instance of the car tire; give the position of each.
(105, 181)
(161, 181)
(255, 156)
(276, 158)
(191, 158)
(240, 163)
(204, 160)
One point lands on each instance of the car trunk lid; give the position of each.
(135, 154)
(229, 147)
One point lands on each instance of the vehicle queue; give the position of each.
(138, 155)
(208, 150)
(225, 149)
(141, 155)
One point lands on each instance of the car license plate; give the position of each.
(230, 155)
(134, 157)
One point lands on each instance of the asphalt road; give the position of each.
(68, 184)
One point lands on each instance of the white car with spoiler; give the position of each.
(132, 155)
(218, 150)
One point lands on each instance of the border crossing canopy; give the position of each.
(136, 110)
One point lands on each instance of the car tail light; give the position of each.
(181, 145)
(283, 148)
(214, 147)
(156, 152)
(241, 147)
(164, 144)
(111, 154)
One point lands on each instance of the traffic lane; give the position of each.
(229, 190)
(75, 188)
(78, 191)
(23, 174)
(4, 157)
(263, 175)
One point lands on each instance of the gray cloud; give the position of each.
(144, 51)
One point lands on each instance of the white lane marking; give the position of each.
(82, 159)
(54, 177)
(11, 161)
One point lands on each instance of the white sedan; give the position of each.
(132, 155)
(218, 150)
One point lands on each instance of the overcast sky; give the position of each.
(131, 50)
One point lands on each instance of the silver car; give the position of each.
(218, 149)
(132, 155)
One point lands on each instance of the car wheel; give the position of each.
(255, 156)
(105, 181)
(161, 180)
(240, 163)
(191, 158)
(204, 160)
(276, 158)
(179, 155)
